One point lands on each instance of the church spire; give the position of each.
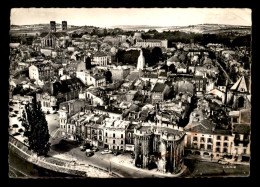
(141, 61)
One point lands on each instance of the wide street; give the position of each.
(63, 149)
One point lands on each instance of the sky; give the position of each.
(106, 17)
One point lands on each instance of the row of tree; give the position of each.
(152, 56)
(36, 128)
(204, 39)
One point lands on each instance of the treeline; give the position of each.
(152, 56)
(23, 40)
(231, 40)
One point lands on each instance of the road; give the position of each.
(223, 70)
(103, 161)
(211, 169)
(53, 124)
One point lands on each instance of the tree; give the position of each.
(108, 75)
(36, 129)
(157, 54)
(172, 68)
(88, 63)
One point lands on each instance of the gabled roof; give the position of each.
(55, 34)
(240, 85)
(100, 54)
(173, 59)
(67, 85)
(159, 87)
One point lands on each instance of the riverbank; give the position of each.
(58, 165)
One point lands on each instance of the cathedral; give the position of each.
(141, 61)
(53, 39)
(238, 96)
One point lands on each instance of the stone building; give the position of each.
(238, 96)
(114, 134)
(41, 72)
(53, 39)
(119, 73)
(160, 146)
(152, 43)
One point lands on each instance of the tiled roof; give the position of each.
(241, 128)
(163, 74)
(64, 85)
(239, 85)
(159, 87)
(100, 54)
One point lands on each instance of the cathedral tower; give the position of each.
(64, 25)
(53, 26)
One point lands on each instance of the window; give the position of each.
(218, 143)
(114, 141)
(226, 138)
(69, 126)
(202, 146)
(241, 102)
(209, 147)
(244, 151)
(217, 150)
(106, 134)
(122, 142)
(195, 138)
(195, 144)
(202, 139)
(114, 135)
(122, 135)
(234, 120)
(218, 137)
(209, 140)
(225, 150)
(106, 140)
(225, 144)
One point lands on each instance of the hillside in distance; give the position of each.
(201, 28)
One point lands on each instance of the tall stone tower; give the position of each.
(141, 61)
(64, 25)
(143, 146)
(53, 26)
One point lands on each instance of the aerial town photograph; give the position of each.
(129, 93)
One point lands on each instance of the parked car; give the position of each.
(223, 162)
(89, 152)
(106, 152)
(83, 148)
(95, 149)
(116, 153)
